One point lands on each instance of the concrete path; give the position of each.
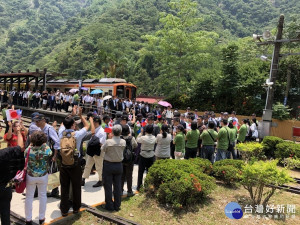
(90, 196)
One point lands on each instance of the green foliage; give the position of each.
(291, 163)
(198, 53)
(230, 162)
(281, 112)
(286, 150)
(179, 182)
(257, 176)
(229, 171)
(269, 144)
(251, 149)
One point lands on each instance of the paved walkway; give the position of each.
(90, 196)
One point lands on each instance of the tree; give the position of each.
(178, 48)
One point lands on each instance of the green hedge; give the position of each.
(269, 144)
(291, 163)
(287, 149)
(178, 182)
(228, 170)
(249, 150)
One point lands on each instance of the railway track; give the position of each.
(288, 188)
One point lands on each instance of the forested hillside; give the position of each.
(136, 39)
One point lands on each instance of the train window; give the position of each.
(133, 93)
(120, 91)
(127, 93)
(109, 92)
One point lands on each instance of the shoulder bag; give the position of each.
(20, 178)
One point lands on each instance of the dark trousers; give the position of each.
(5, 198)
(112, 175)
(67, 104)
(190, 153)
(137, 152)
(172, 146)
(58, 107)
(144, 164)
(208, 152)
(51, 105)
(73, 175)
(127, 174)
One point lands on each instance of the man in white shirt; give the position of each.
(87, 101)
(94, 154)
(169, 115)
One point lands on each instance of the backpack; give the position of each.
(68, 152)
(128, 156)
(93, 147)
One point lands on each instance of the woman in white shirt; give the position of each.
(254, 130)
(163, 140)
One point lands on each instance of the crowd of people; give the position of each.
(132, 133)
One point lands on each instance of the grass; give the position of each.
(147, 211)
(82, 218)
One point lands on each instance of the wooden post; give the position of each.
(36, 85)
(19, 84)
(44, 79)
(4, 82)
(11, 83)
(37, 79)
(27, 83)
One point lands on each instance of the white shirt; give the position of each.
(87, 99)
(99, 102)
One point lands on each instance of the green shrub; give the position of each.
(286, 150)
(203, 165)
(178, 182)
(232, 162)
(189, 189)
(281, 112)
(250, 149)
(269, 143)
(291, 163)
(256, 178)
(229, 174)
(228, 170)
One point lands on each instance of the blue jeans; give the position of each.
(208, 152)
(222, 154)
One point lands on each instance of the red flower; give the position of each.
(223, 172)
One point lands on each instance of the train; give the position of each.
(110, 86)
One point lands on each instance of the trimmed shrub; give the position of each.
(203, 165)
(249, 150)
(287, 149)
(189, 189)
(228, 170)
(257, 176)
(232, 162)
(291, 163)
(269, 143)
(178, 182)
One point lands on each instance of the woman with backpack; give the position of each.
(37, 174)
(128, 161)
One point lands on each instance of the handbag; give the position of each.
(53, 177)
(20, 178)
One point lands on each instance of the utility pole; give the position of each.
(274, 64)
(265, 127)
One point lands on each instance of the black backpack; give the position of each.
(93, 147)
(128, 156)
